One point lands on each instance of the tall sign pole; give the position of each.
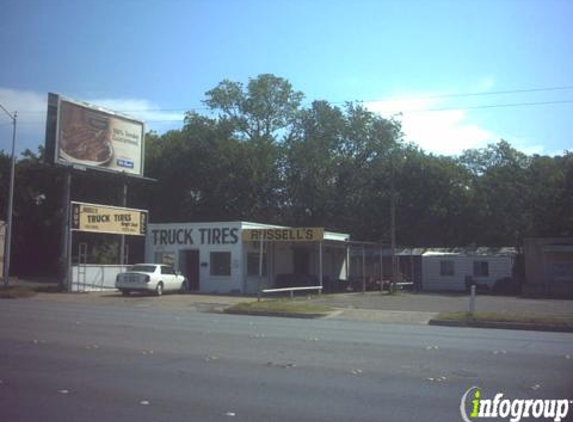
(8, 239)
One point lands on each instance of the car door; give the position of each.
(169, 278)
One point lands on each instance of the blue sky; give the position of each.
(156, 59)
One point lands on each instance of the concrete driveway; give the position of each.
(435, 303)
(189, 302)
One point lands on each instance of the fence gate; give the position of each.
(82, 262)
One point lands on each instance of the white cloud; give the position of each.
(442, 132)
(31, 107)
(31, 121)
(142, 109)
(23, 101)
(449, 129)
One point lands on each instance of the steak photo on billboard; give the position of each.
(84, 136)
(90, 136)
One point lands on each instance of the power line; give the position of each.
(421, 97)
(420, 110)
(488, 106)
(459, 95)
(478, 94)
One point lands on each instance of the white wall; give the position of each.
(499, 267)
(175, 237)
(207, 238)
(95, 277)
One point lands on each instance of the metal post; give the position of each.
(260, 270)
(363, 269)
(381, 271)
(70, 272)
(320, 265)
(412, 266)
(473, 299)
(8, 234)
(347, 267)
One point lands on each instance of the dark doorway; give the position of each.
(189, 266)
(300, 261)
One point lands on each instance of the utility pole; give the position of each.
(393, 224)
(8, 238)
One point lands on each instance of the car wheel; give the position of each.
(159, 289)
(183, 289)
(125, 292)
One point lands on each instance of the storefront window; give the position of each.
(220, 263)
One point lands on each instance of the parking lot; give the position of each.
(181, 302)
(408, 308)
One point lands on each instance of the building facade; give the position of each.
(215, 258)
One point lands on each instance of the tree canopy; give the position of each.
(261, 155)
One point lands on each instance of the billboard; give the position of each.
(78, 133)
(106, 219)
(300, 234)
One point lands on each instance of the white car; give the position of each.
(157, 278)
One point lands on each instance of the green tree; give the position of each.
(266, 106)
(500, 191)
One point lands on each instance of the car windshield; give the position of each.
(143, 268)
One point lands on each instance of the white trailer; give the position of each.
(450, 269)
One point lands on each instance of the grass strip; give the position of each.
(279, 307)
(16, 292)
(22, 291)
(557, 321)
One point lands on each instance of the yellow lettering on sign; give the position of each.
(298, 234)
(104, 219)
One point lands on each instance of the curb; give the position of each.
(502, 325)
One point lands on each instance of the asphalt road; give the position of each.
(87, 362)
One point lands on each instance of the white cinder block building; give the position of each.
(215, 259)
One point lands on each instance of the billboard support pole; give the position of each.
(124, 205)
(70, 251)
(67, 238)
